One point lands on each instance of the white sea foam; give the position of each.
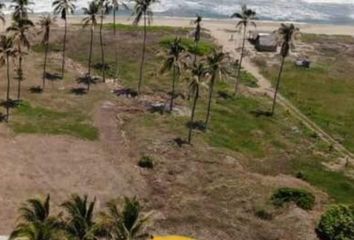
(302, 10)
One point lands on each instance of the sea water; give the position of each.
(319, 11)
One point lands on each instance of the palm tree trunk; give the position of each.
(8, 87)
(277, 86)
(102, 52)
(240, 63)
(20, 75)
(211, 91)
(115, 42)
(195, 51)
(45, 64)
(90, 59)
(64, 48)
(90, 52)
(143, 56)
(196, 96)
(173, 88)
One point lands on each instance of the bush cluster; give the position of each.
(337, 223)
(300, 197)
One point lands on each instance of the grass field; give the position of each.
(270, 146)
(229, 173)
(325, 91)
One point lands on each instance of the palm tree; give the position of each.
(2, 15)
(287, 34)
(105, 8)
(126, 223)
(21, 9)
(91, 19)
(36, 231)
(36, 210)
(36, 223)
(64, 7)
(115, 5)
(20, 29)
(173, 62)
(216, 66)
(7, 51)
(142, 10)
(198, 72)
(197, 34)
(45, 23)
(246, 16)
(80, 224)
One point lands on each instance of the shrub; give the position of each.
(146, 162)
(264, 214)
(301, 198)
(337, 223)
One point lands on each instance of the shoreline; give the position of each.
(214, 24)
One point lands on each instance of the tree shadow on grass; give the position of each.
(224, 95)
(100, 66)
(3, 117)
(87, 80)
(261, 113)
(196, 125)
(53, 76)
(180, 142)
(127, 92)
(78, 91)
(36, 89)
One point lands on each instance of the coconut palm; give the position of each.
(79, 224)
(197, 34)
(287, 34)
(45, 23)
(21, 9)
(246, 16)
(198, 72)
(142, 11)
(91, 19)
(7, 51)
(64, 7)
(127, 223)
(115, 6)
(173, 62)
(36, 223)
(35, 210)
(216, 67)
(21, 30)
(2, 15)
(36, 231)
(105, 8)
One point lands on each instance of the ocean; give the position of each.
(312, 11)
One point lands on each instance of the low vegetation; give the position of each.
(146, 162)
(301, 198)
(337, 223)
(35, 119)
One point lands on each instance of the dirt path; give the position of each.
(265, 88)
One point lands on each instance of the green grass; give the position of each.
(248, 79)
(54, 47)
(324, 93)
(204, 47)
(339, 187)
(35, 119)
